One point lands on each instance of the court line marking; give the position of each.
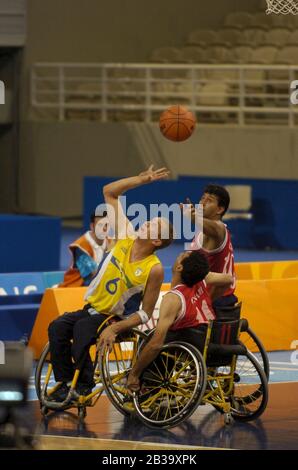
(182, 446)
(284, 382)
(283, 363)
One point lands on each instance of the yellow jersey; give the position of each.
(119, 284)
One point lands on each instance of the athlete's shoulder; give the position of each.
(157, 271)
(182, 288)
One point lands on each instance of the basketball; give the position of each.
(177, 123)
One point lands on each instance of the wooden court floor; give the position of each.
(105, 428)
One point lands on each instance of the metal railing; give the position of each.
(222, 94)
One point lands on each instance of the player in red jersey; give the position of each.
(215, 240)
(185, 310)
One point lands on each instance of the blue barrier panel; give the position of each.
(20, 299)
(273, 225)
(17, 316)
(29, 243)
(21, 283)
(165, 192)
(52, 279)
(16, 321)
(28, 283)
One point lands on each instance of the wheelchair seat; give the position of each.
(232, 313)
(224, 343)
(228, 313)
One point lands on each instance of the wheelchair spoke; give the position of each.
(178, 391)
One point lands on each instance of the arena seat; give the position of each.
(241, 200)
(287, 55)
(221, 54)
(263, 55)
(253, 36)
(202, 37)
(277, 37)
(213, 94)
(293, 38)
(243, 53)
(230, 36)
(194, 55)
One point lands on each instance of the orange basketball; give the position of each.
(177, 123)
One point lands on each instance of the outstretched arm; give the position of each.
(112, 191)
(108, 336)
(169, 309)
(218, 284)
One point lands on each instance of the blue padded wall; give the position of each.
(274, 225)
(29, 243)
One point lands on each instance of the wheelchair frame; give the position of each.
(219, 388)
(81, 402)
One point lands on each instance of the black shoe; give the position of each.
(83, 389)
(60, 394)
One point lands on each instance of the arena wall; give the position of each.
(56, 156)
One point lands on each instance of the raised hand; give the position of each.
(188, 209)
(151, 175)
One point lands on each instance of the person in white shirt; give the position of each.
(87, 252)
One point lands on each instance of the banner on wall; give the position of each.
(28, 283)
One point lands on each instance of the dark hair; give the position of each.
(195, 268)
(222, 195)
(93, 216)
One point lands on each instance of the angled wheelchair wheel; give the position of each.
(255, 346)
(45, 383)
(44, 377)
(172, 386)
(115, 367)
(250, 392)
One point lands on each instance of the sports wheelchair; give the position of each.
(110, 374)
(225, 375)
(112, 369)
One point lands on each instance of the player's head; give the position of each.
(157, 232)
(192, 267)
(215, 201)
(99, 225)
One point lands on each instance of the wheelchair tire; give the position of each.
(116, 389)
(184, 385)
(39, 374)
(252, 342)
(38, 371)
(249, 406)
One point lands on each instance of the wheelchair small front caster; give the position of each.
(82, 412)
(228, 419)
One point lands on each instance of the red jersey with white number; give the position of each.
(221, 260)
(196, 306)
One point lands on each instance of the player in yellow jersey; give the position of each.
(130, 273)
